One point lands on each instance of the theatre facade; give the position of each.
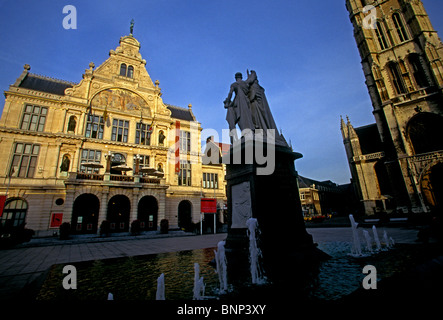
(104, 149)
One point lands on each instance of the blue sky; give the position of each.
(303, 51)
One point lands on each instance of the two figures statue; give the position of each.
(250, 109)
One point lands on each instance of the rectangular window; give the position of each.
(184, 175)
(144, 162)
(24, 160)
(210, 180)
(94, 127)
(34, 118)
(185, 141)
(120, 129)
(143, 134)
(88, 155)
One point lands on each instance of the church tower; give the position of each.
(402, 60)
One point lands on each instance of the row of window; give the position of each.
(25, 161)
(126, 71)
(400, 74)
(34, 118)
(384, 37)
(210, 180)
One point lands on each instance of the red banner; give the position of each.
(177, 146)
(2, 204)
(208, 205)
(56, 220)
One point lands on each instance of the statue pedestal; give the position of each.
(274, 200)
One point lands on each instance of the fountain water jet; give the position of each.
(160, 294)
(356, 246)
(199, 286)
(254, 252)
(368, 240)
(377, 240)
(221, 265)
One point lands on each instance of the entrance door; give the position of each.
(185, 215)
(85, 214)
(147, 213)
(119, 208)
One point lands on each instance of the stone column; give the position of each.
(102, 215)
(69, 203)
(134, 204)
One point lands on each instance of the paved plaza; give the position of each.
(21, 266)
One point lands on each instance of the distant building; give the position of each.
(397, 163)
(325, 197)
(106, 148)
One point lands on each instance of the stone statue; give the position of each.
(64, 167)
(71, 124)
(131, 27)
(250, 108)
(239, 110)
(161, 137)
(261, 113)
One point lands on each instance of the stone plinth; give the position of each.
(274, 200)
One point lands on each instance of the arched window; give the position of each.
(123, 70)
(423, 131)
(130, 72)
(381, 36)
(400, 27)
(14, 213)
(396, 78)
(418, 71)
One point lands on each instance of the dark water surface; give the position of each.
(135, 278)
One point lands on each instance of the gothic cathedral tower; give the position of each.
(402, 59)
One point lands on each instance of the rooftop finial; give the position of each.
(131, 27)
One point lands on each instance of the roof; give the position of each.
(55, 86)
(45, 84)
(181, 113)
(369, 139)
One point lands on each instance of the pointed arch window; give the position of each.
(123, 70)
(418, 71)
(400, 27)
(381, 36)
(396, 78)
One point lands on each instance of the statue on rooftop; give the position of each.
(131, 27)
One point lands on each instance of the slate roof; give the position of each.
(369, 138)
(181, 113)
(45, 84)
(56, 86)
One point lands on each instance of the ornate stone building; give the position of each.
(399, 159)
(106, 148)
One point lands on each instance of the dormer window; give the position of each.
(126, 71)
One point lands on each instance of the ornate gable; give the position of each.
(121, 83)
